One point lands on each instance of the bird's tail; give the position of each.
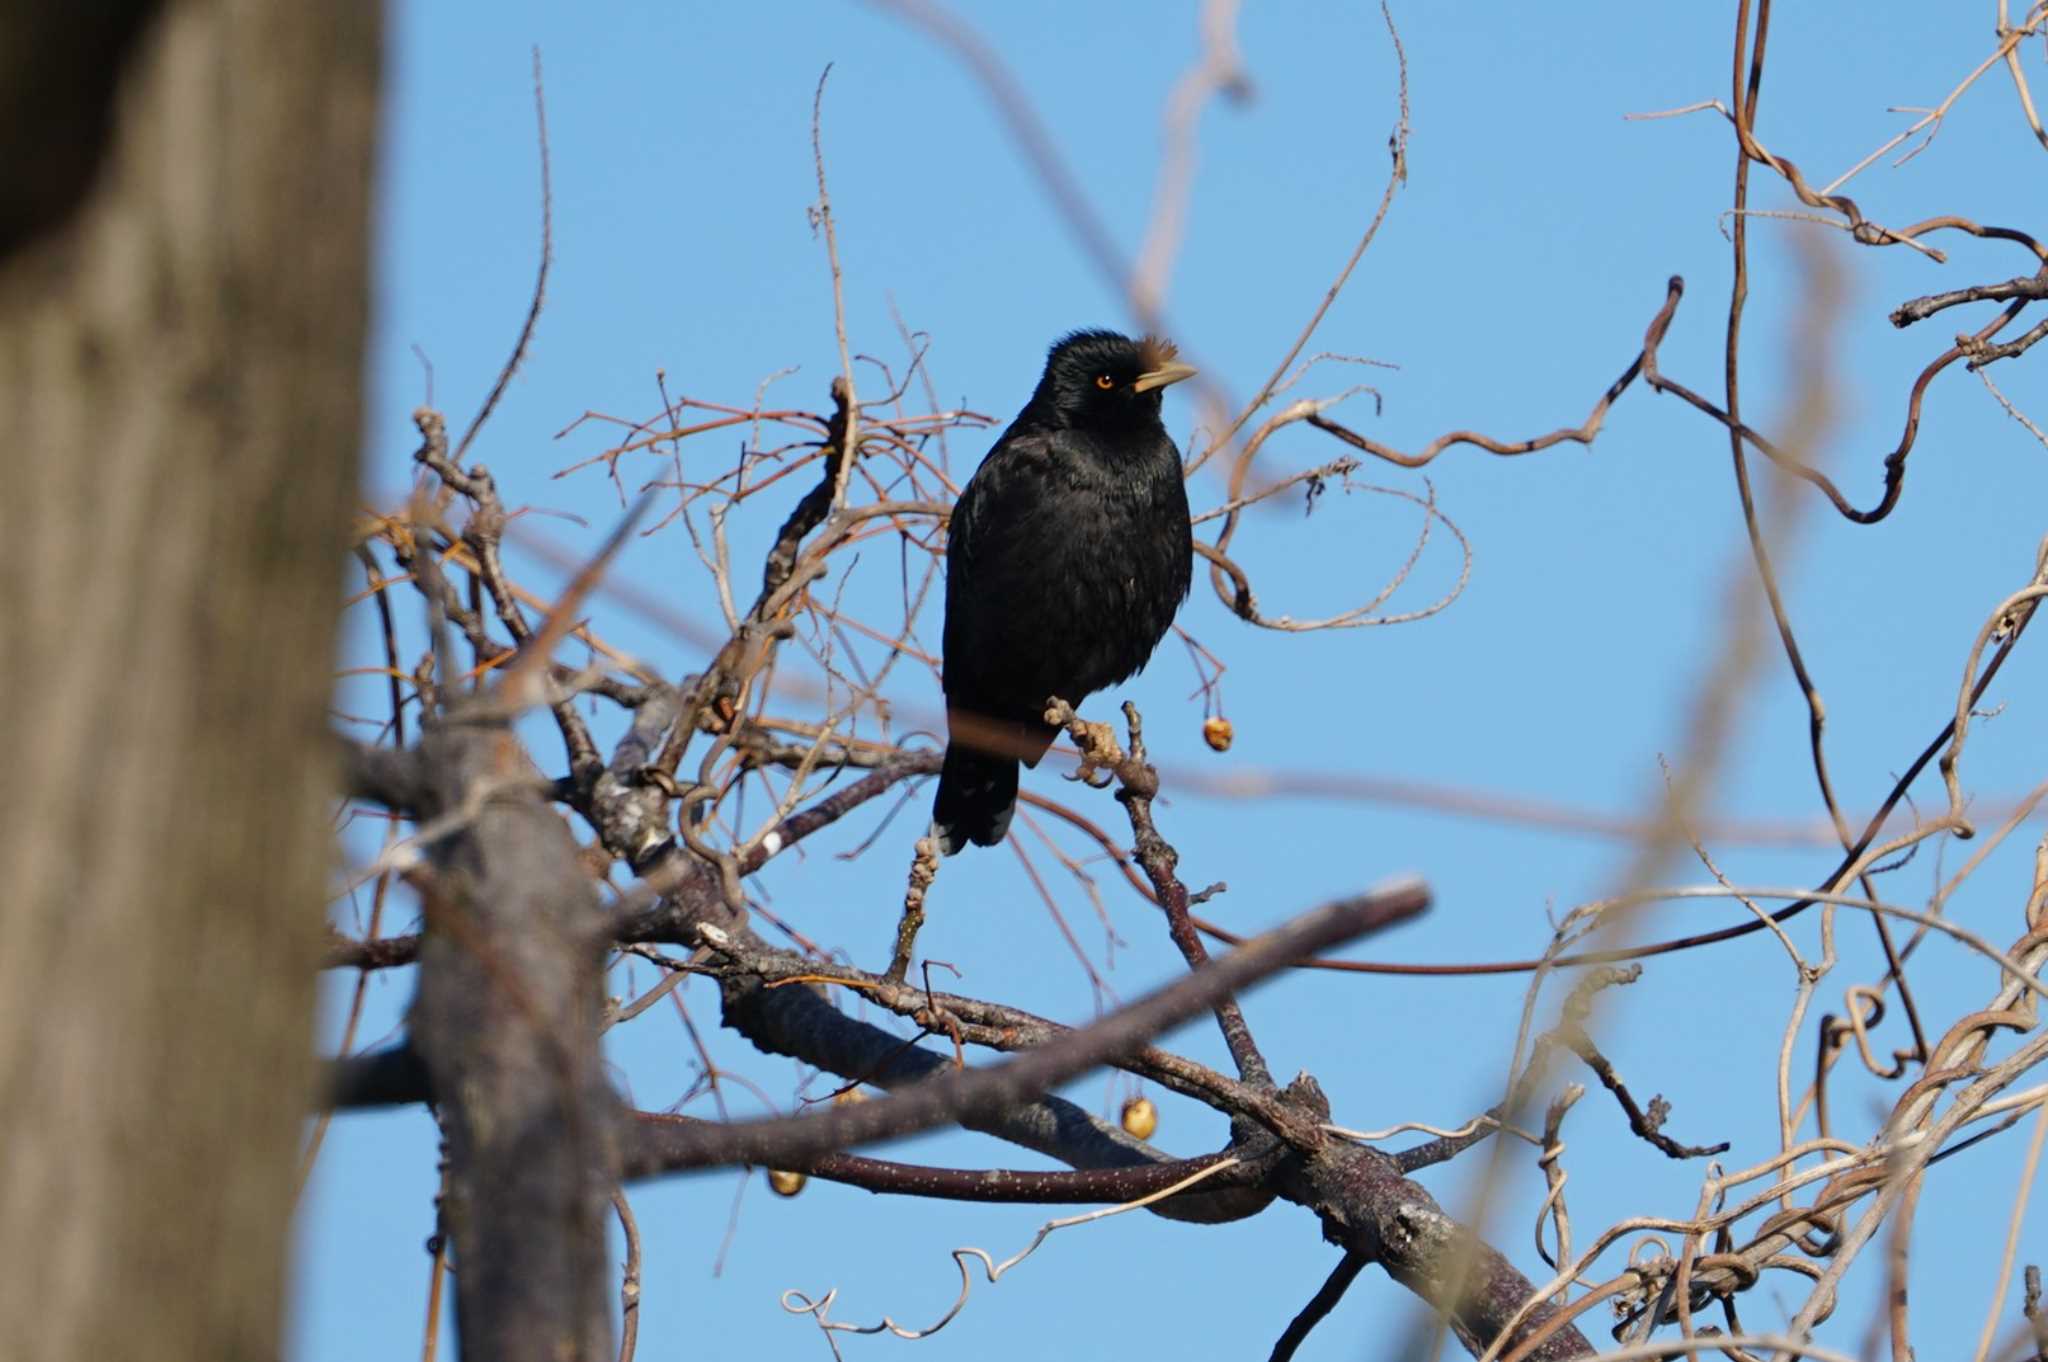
(977, 795)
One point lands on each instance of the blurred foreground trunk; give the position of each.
(183, 292)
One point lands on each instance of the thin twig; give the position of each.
(1319, 1306)
(540, 282)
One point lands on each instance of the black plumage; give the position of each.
(1068, 554)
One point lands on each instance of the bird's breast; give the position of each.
(1076, 567)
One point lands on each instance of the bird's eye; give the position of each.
(1104, 382)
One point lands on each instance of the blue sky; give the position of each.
(1510, 284)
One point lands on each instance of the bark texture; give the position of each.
(181, 340)
(507, 1024)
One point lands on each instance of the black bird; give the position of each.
(1068, 553)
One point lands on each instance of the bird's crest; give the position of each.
(1153, 351)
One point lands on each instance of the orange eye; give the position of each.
(1104, 382)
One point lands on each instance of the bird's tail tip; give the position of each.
(953, 837)
(977, 798)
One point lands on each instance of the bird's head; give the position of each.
(1101, 380)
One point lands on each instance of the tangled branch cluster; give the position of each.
(516, 941)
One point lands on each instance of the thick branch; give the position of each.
(625, 811)
(507, 1026)
(975, 1021)
(797, 1022)
(391, 776)
(386, 1078)
(1368, 1208)
(645, 1138)
(978, 1092)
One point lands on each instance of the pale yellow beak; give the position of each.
(1165, 375)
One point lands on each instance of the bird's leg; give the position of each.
(924, 868)
(1101, 757)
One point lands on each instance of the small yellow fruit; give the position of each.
(785, 1184)
(1218, 733)
(1141, 1118)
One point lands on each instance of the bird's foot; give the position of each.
(1096, 774)
(1101, 756)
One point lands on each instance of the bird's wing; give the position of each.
(1010, 480)
(989, 548)
(1001, 509)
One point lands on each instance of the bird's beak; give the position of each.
(1165, 375)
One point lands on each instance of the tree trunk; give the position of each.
(180, 366)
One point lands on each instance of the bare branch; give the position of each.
(1320, 1305)
(975, 1092)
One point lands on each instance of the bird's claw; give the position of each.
(1100, 754)
(1093, 776)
